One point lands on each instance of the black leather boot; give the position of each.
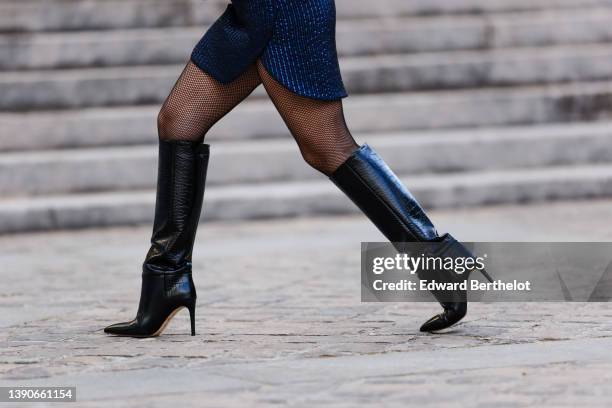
(366, 179)
(167, 285)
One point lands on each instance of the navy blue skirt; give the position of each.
(294, 39)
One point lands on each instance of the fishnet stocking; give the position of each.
(198, 101)
(318, 126)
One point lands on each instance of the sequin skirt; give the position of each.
(295, 40)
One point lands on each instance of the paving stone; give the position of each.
(279, 321)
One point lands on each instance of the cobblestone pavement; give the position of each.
(280, 321)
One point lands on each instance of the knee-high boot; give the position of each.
(371, 185)
(167, 285)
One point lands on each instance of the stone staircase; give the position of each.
(472, 102)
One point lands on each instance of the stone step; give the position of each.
(394, 8)
(257, 119)
(391, 73)
(469, 150)
(52, 15)
(305, 198)
(57, 15)
(470, 69)
(404, 35)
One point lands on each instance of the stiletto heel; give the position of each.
(192, 318)
(486, 275)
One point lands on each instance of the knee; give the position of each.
(313, 160)
(168, 123)
(180, 124)
(320, 159)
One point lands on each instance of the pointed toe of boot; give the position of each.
(120, 329)
(446, 319)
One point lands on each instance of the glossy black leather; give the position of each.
(454, 302)
(162, 293)
(180, 191)
(366, 179)
(167, 284)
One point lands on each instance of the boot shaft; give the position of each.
(181, 180)
(367, 180)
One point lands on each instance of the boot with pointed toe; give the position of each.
(167, 284)
(454, 302)
(452, 314)
(366, 179)
(162, 296)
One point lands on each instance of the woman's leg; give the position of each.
(318, 126)
(195, 104)
(327, 145)
(197, 101)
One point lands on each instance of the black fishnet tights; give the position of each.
(319, 127)
(198, 101)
